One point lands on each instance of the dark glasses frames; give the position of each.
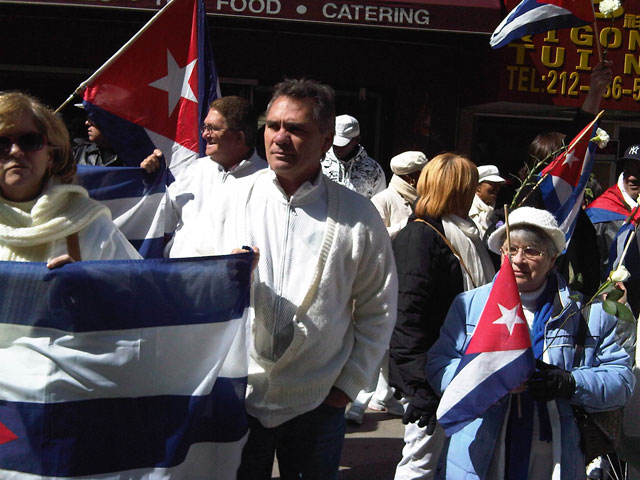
(28, 142)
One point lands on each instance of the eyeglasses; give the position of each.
(530, 253)
(28, 142)
(205, 127)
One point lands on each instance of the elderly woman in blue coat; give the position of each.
(531, 433)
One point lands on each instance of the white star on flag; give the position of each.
(176, 83)
(509, 317)
(569, 159)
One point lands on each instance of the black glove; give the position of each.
(422, 409)
(550, 382)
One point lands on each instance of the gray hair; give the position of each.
(534, 237)
(323, 96)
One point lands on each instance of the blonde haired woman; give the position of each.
(44, 217)
(438, 255)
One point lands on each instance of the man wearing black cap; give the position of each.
(610, 210)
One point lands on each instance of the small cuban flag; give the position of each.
(498, 358)
(565, 178)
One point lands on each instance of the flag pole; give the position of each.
(506, 224)
(597, 32)
(114, 57)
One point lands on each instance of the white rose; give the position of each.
(607, 7)
(601, 138)
(620, 274)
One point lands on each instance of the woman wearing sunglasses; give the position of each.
(44, 216)
(531, 433)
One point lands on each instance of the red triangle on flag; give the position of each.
(502, 325)
(570, 163)
(6, 435)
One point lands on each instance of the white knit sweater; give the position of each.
(36, 231)
(331, 325)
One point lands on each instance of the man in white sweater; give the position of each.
(324, 292)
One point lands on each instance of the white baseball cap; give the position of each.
(347, 128)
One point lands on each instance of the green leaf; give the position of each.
(615, 295)
(610, 307)
(576, 297)
(624, 313)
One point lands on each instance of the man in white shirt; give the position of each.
(229, 130)
(324, 292)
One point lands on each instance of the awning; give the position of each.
(472, 16)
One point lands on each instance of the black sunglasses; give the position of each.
(28, 142)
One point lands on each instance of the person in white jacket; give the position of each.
(395, 203)
(324, 292)
(484, 203)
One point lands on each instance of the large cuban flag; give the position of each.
(131, 369)
(565, 178)
(155, 92)
(537, 16)
(498, 358)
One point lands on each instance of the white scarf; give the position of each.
(482, 215)
(463, 235)
(27, 229)
(627, 198)
(406, 191)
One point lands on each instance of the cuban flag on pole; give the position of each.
(537, 16)
(565, 178)
(123, 369)
(156, 90)
(498, 358)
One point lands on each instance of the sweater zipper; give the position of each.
(285, 242)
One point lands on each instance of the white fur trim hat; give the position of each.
(529, 216)
(347, 128)
(408, 162)
(489, 173)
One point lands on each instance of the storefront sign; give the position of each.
(454, 15)
(555, 68)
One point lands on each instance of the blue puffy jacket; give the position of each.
(603, 381)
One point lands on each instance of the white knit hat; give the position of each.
(529, 216)
(408, 162)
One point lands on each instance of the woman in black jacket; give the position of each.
(438, 255)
